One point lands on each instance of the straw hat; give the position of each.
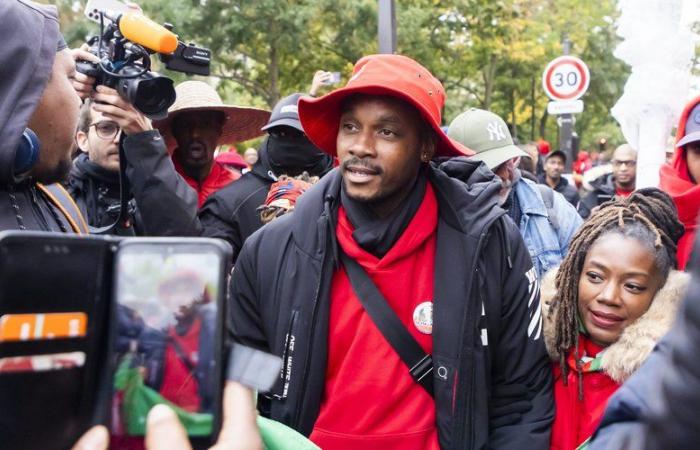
(241, 123)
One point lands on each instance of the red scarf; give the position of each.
(676, 182)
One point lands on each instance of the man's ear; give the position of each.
(81, 138)
(428, 148)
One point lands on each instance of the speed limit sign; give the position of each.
(566, 78)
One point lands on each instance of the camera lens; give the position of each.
(150, 93)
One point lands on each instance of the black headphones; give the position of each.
(27, 152)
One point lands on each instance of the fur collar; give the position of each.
(637, 341)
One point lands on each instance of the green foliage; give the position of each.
(488, 53)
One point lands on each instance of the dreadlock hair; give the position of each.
(649, 216)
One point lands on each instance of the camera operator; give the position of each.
(94, 177)
(38, 115)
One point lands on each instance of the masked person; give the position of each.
(680, 179)
(38, 116)
(546, 220)
(199, 122)
(605, 308)
(94, 178)
(232, 213)
(554, 165)
(619, 183)
(445, 263)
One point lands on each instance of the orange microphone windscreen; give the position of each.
(143, 31)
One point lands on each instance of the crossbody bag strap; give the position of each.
(420, 364)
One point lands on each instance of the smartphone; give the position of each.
(54, 308)
(167, 336)
(111, 7)
(334, 79)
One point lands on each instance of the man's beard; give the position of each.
(55, 174)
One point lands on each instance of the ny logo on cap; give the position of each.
(496, 131)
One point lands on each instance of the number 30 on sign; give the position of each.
(566, 78)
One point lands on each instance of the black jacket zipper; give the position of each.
(463, 407)
(314, 311)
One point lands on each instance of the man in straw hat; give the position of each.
(197, 123)
(396, 282)
(546, 220)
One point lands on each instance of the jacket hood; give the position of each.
(675, 179)
(679, 162)
(636, 342)
(467, 193)
(29, 36)
(604, 183)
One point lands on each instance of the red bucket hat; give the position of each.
(394, 75)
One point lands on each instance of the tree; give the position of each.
(488, 53)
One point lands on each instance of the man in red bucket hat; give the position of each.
(398, 294)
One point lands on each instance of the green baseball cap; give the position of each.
(486, 134)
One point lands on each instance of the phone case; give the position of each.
(54, 297)
(147, 356)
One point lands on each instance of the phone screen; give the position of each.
(168, 340)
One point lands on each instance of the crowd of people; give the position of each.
(424, 288)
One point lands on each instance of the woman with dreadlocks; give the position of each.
(613, 297)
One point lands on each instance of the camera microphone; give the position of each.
(143, 31)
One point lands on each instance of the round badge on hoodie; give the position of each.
(423, 317)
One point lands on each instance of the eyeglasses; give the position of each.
(106, 129)
(618, 163)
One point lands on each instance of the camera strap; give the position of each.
(420, 364)
(122, 226)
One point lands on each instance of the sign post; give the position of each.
(565, 80)
(386, 24)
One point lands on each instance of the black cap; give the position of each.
(285, 113)
(557, 153)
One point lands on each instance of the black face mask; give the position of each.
(296, 155)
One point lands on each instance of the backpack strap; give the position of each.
(62, 200)
(548, 198)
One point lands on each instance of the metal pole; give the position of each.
(566, 121)
(387, 26)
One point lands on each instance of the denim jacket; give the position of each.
(547, 245)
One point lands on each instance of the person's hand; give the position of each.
(164, 430)
(96, 438)
(134, 7)
(321, 78)
(239, 430)
(114, 107)
(82, 83)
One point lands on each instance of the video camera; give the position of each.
(124, 46)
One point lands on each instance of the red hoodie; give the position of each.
(370, 400)
(219, 177)
(676, 181)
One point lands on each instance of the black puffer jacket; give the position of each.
(96, 191)
(231, 214)
(280, 296)
(603, 190)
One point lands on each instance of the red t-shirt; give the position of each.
(370, 401)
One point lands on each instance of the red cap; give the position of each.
(394, 75)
